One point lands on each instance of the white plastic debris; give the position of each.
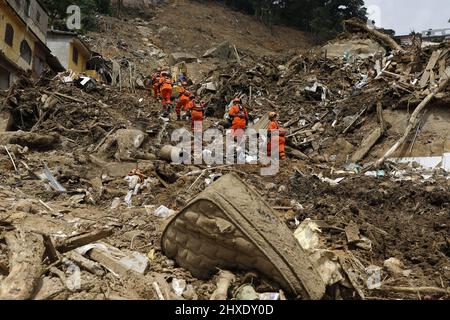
(272, 296)
(178, 286)
(374, 277)
(163, 212)
(73, 281)
(296, 205)
(307, 235)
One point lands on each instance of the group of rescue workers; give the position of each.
(163, 87)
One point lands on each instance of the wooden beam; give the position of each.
(429, 68)
(81, 240)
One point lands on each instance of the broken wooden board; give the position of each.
(429, 68)
(26, 252)
(367, 144)
(352, 233)
(81, 240)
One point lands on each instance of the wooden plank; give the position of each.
(430, 66)
(367, 144)
(441, 68)
(50, 250)
(81, 240)
(108, 261)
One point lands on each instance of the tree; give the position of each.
(321, 17)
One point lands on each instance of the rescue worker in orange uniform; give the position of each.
(197, 109)
(183, 100)
(277, 136)
(166, 90)
(155, 83)
(239, 116)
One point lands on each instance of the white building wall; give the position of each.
(60, 48)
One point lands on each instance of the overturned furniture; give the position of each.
(229, 226)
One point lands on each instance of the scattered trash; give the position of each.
(247, 293)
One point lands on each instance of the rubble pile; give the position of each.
(322, 97)
(92, 207)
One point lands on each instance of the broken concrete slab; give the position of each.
(178, 57)
(222, 51)
(229, 226)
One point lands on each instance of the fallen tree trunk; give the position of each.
(384, 38)
(26, 252)
(414, 120)
(31, 140)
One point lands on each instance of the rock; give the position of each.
(211, 86)
(178, 57)
(26, 205)
(395, 268)
(189, 293)
(222, 51)
(128, 140)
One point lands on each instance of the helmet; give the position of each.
(237, 100)
(272, 115)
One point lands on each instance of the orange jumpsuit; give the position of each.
(277, 138)
(166, 90)
(155, 81)
(183, 101)
(196, 115)
(239, 114)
